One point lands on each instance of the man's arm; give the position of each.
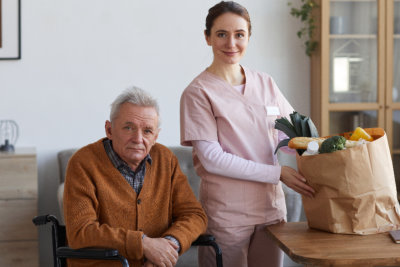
(189, 218)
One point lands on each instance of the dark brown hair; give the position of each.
(226, 7)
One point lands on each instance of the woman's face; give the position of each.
(229, 37)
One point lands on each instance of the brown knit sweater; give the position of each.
(101, 209)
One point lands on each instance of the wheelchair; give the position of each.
(61, 251)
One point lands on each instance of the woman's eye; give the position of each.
(221, 34)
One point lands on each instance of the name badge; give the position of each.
(273, 111)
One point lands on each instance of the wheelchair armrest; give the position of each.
(88, 253)
(91, 253)
(209, 240)
(204, 240)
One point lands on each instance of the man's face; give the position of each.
(133, 132)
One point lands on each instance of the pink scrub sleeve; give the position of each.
(217, 161)
(197, 119)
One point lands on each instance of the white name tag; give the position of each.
(273, 111)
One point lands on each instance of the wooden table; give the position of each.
(317, 248)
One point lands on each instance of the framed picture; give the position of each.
(10, 29)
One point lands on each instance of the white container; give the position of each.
(312, 149)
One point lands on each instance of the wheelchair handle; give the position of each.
(43, 219)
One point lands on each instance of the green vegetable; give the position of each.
(333, 144)
(300, 125)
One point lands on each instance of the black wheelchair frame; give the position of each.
(61, 251)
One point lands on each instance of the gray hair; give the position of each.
(136, 96)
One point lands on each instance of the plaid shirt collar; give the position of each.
(118, 162)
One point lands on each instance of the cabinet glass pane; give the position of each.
(353, 51)
(396, 53)
(396, 130)
(347, 121)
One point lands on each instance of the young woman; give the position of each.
(228, 114)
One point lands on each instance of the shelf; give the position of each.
(355, 1)
(19, 152)
(352, 106)
(354, 36)
(396, 151)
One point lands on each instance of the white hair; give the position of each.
(136, 96)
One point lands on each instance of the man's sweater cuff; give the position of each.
(134, 245)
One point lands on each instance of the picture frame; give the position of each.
(10, 29)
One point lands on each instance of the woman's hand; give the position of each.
(296, 181)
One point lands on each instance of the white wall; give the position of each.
(78, 55)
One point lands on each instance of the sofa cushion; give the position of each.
(184, 155)
(63, 158)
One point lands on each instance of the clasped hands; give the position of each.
(159, 252)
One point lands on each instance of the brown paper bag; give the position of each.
(355, 188)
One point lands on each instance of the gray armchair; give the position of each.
(184, 155)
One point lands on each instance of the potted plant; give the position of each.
(306, 32)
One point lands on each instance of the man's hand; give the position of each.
(160, 251)
(296, 181)
(148, 264)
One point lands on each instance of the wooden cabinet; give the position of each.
(355, 72)
(18, 205)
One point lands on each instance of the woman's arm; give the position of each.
(217, 161)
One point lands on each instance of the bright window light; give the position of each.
(341, 74)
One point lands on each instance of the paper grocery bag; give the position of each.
(355, 188)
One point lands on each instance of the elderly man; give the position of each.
(127, 192)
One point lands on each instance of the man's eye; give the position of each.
(148, 131)
(240, 35)
(128, 128)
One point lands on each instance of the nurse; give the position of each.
(228, 114)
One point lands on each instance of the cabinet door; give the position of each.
(396, 53)
(354, 86)
(353, 51)
(345, 121)
(393, 96)
(396, 147)
(18, 177)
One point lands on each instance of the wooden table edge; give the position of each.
(310, 261)
(296, 258)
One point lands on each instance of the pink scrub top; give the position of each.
(213, 110)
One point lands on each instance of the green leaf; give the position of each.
(285, 126)
(305, 128)
(306, 16)
(313, 129)
(282, 143)
(296, 121)
(299, 33)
